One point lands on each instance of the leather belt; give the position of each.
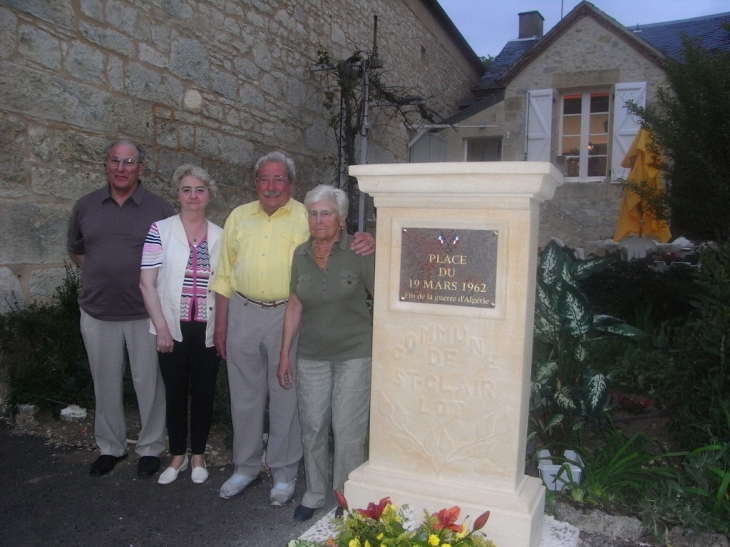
(260, 304)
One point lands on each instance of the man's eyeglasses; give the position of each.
(126, 163)
(277, 179)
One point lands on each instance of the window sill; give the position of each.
(591, 180)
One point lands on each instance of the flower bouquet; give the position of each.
(384, 525)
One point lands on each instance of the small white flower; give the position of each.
(406, 514)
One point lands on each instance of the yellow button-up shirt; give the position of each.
(257, 250)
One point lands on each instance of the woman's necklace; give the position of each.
(314, 251)
(198, 234)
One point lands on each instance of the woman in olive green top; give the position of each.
(328, 310)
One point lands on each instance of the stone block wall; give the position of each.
(212, 82)
(587, 55)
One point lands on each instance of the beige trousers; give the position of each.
(106, 342)
(253, 344)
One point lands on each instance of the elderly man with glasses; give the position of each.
(105, 237)
(252, 287)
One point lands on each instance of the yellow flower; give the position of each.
(434, 540)
(380, 536)
(446, 545)
(390, 513)
(461, 534)
(354, 543)
(367, 543)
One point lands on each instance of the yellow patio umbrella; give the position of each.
(633, 218)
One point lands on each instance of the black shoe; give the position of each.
(148, 466)
(302, 512)
(339, 512)
(104, 464)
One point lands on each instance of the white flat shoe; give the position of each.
(170, 474)
(199, 474)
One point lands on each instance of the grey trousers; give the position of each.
(253, 344)
(335, 393)
(105, 343)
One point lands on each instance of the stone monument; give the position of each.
(452, 342)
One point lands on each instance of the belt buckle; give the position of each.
(261, 303)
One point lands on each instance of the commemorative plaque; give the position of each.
(454, 267)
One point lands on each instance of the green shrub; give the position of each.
(567, 392)
(42, 351)
(618, 471)
(641, 369)
(697, 497)
(702, 351)
(640, 296)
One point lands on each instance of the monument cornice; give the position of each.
(506, 179)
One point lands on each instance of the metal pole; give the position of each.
(363, 146)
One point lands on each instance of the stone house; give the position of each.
(560, 97)
(213, 82)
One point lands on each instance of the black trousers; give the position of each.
(190, 371)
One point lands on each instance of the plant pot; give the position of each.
(555, 476)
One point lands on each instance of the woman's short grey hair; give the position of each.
(278, 157)
(326, 192)
(190, 170)
(141, 152)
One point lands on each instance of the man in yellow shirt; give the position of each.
(252, 287)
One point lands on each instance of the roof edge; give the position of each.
(438, 12)
(584, 9)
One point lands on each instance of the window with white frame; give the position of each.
(584, 135)
(579, 146)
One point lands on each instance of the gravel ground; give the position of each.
(49, 499)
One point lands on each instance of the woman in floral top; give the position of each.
(177, 268)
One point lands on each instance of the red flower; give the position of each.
(481, 521)
(374, 511)
(341, 501)
(447, 519)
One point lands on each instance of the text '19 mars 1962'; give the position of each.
(449, 266)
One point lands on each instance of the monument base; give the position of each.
(516, 517)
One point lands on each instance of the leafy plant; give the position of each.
(618, 470)
(698, 497)
(639, 295)
(567, 392)
(643, 370)
(42, 350)
(689, 124)
(702, 352)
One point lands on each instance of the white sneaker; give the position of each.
(199, 474)
(282, 493)
(235, 485)
(170, 474)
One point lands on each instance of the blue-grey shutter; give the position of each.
(539, 121)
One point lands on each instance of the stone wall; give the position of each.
(212, 82)
(586, 55)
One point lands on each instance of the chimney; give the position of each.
(530, 24)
